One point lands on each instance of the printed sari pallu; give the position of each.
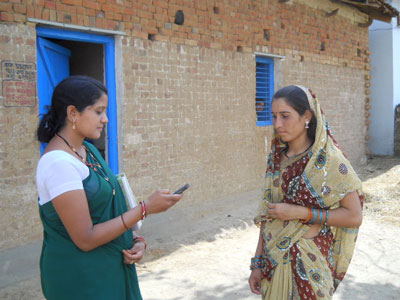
(295, 267)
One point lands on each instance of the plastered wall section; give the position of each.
(19, 151)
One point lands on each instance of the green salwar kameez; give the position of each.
(68, 273)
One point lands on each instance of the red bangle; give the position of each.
(140, 238)
(309, 217)
(143, 210)
(123, 222)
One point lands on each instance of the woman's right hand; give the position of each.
(160, 201)
(255, 281)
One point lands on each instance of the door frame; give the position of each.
(109, 53)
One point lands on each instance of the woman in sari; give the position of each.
(88, 248)
(312, 205)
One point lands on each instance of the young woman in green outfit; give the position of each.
(88, 249)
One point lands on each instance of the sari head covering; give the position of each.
(328, 177)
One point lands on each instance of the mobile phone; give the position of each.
(182, 189)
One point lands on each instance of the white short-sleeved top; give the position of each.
(59, 172)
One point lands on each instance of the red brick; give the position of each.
(71, 9)
(108, 24)
(90, 12)
(145, 14)
(108, 15)
(61, 7)
(166, 32)
(193, 36)
(30, 11)
(46, 14)
(118, 17)
(149, 29)
(60, 17)
(161, 17)
(146, 2)
(91, 4)
(38, 2)
(128, 11)
(19, 8)
(128, 26)
(99, 22)
(161, 3)
(38, 12)
(50, 5)
(80, 20)
(81, 10)
(6, 7)
(126, 18)
(140, 34)
(111, 8)
(162, 38)
(73, 2)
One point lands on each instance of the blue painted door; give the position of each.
(52, 67)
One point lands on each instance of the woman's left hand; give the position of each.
(286, 212)
(135, 254)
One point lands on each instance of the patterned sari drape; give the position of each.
(295, 267)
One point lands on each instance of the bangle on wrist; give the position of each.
(144, 212)
(326, 218)
(257, 262)
(309, 216)
(140, 238)
(123, 222)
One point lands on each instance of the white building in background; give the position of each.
(385, 89)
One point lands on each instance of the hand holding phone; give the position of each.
(182, 189)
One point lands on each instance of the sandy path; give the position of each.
(219, 269)
(208, 259)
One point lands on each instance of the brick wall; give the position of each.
(189, 117)
(297, 25)
(187, 94)
(339, 90)
(19, 221)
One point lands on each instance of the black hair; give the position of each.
(79, 91)
(297, 99)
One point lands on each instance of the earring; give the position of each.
(307, 124)
(73, 124)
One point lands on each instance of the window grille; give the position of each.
(264, 89)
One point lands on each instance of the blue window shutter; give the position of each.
(264, 89)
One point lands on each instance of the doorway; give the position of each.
(62, 53)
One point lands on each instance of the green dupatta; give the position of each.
(72, 274)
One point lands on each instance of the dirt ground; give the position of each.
(212, 261)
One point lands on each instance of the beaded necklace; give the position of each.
(296, 155)
(95, 166)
